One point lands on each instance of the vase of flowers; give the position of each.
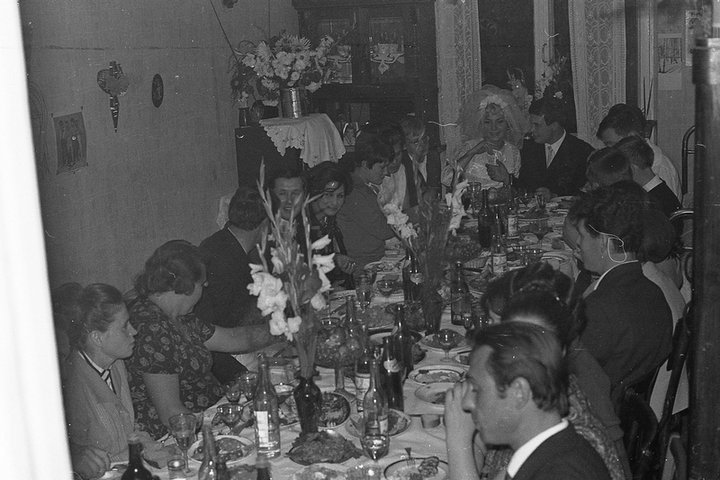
(293, 289)
(288, 62)
(427, 238)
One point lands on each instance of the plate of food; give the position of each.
(230, 448)
(319, 472)
(375, 317)
(335, 410)
(341, 295)
(382, 266)
(431, 342)
(438, 373)
(398, 422)
(434, 392)
(327, 446)
(430, 468)
(286, 405)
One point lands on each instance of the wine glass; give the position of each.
(247, 382)
(446, 338)
(233, 391)
(230, 414)
(375, 443)
(182, 427)
(386, 287)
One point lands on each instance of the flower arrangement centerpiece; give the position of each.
(243, 78)
(426, 238)
(288, 61)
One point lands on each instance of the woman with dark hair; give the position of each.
(98, 407)
(329, 184)
(363, 224)
(171, 370)
(629, 323)
(538, 294)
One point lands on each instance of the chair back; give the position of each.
(639, 426)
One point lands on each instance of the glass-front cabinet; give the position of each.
(384, 57)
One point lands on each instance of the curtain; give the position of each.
(597, 53)
(458, 57)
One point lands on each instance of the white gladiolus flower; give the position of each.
(293, 324)
(324, 263)
(318, 301)
(320, 243)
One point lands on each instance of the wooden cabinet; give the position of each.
(386, 56)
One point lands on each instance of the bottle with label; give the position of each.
(498, 227)
(392, 376)
(459, 295)
(498, 255)
(136, 470)
(485, 221)
(412, 278)
(375, 405)
(402, 341)
(362, 377)
(208, 469)
(512, 219)
(267, 415)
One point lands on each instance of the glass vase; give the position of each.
(308, 400)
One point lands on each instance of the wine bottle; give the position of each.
(512, 219)
(412, 278)
(136, 470)
(375, 405)
(498, 255)
(267, 415)
(403, 341)
(208, 469)
(459, 300)
(485, 221)
(392, 376)
(362, 377)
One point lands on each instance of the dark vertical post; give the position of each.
(704, 442)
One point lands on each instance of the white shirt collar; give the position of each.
(524, 452)
(556, 146)
(654, 182)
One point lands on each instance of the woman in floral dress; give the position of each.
(170, 370)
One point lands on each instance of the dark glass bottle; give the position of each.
(375, 405)
(459, 296)
(402, 341)
(136, 470)
(267, 415)
(485, 221)
(362, 376)
(412, 278)
(392, 376)
(222, 470)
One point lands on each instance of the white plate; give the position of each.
(438, 373)
(463, 357)
(340, 413)
(382, 266)
(400, 470)
(434, 393)
(430, 343)
(240, 444)
(319, 470)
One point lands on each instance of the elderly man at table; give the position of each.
(226, 301)
(363, 224)
(515, 394)
(553, 162)
(624, 121)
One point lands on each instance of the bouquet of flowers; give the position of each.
(242, 77)
(288, 61)
(293, 290)
(556, 80)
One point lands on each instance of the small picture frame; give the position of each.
(157, 90)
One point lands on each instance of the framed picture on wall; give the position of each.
(71, 142)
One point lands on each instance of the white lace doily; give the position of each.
(314, 135)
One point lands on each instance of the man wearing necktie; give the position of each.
(553, 162)
(515, 395)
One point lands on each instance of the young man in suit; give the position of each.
(515, 394)
(553, 162)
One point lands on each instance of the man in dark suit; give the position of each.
(641, 158)
(553, 162)
(226, 301)
(515, 395)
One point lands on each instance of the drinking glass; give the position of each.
(386, 287)
(446, 339)
(540, 199)
(247, 382)
(182, 427)
(374, 443)
(230, 414)
(363, 291)
(233, 391)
